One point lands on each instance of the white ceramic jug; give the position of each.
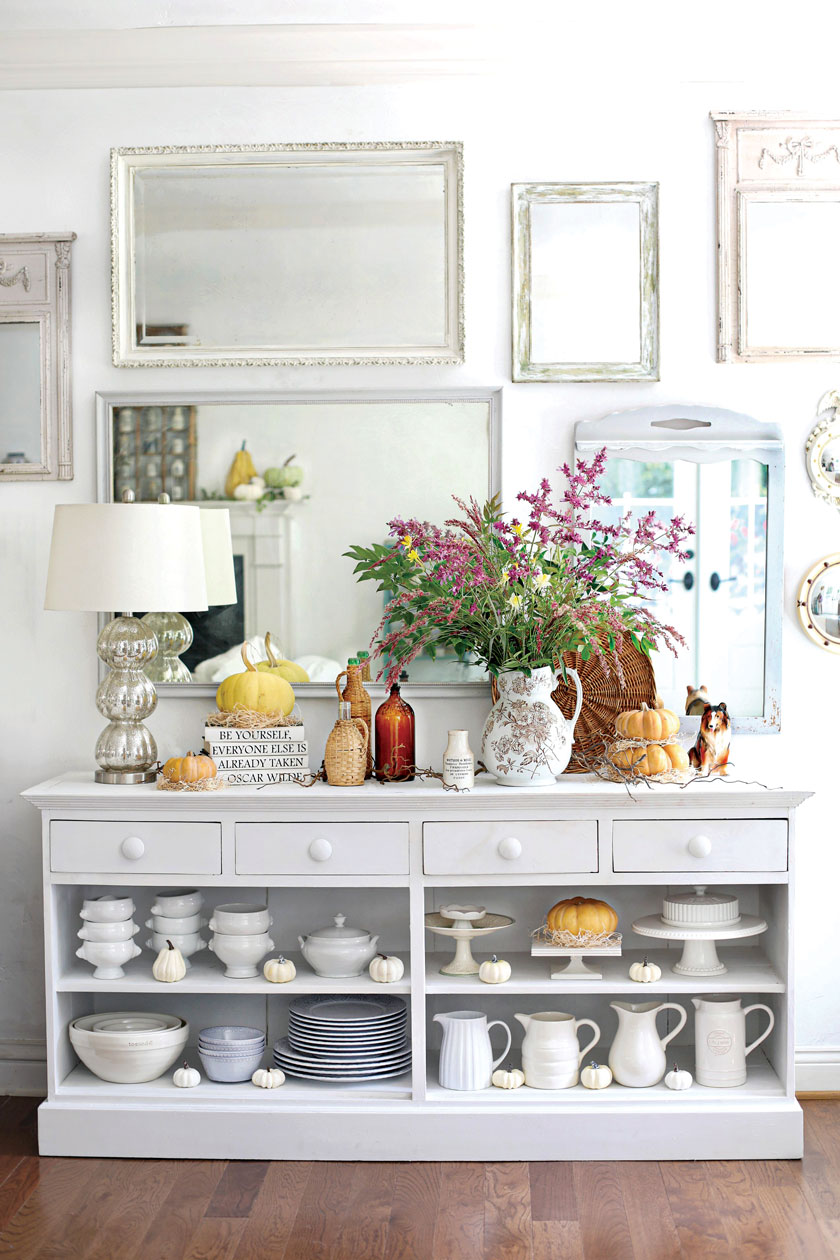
(526, 741)
(720, 1039)
(466, 1056)
(551, 1056)
(637, 1055)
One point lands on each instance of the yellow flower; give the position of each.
(515, 601)
(407, 541)
(415, 556)
(518, 530)
(505, 579)
(540, 580)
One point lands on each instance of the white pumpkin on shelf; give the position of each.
(508, 1078)
(169, 966)
(279, 970)
(494, 971)
(386, 969)
(645, 972)
(678, 1078)
(268, 1078)
(186, 1077)
(596, 1076)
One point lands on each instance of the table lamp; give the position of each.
(105, 556)
(173, 630)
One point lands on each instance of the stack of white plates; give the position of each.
(345, 1039)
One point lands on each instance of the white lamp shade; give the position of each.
(218, 556)
(121, 557)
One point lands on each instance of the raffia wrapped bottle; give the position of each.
(345, 758)
(356, 696)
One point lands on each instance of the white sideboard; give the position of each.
(393, 853)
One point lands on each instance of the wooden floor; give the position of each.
(109, 1209)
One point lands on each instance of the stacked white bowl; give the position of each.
(240, 937)
(230, 1053)
(107, 935)
(128, 1046)
(176, 919)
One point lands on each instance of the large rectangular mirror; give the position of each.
(585, 282)
(300, 253)
(343, 466)
(723, 472)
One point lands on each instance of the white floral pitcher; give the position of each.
(527, 742)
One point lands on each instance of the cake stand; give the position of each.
(464, 924)
(699, 956)
(576, 968)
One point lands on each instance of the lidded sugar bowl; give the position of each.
(338, 951)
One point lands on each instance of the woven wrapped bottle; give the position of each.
(345, 757)
(355, 694)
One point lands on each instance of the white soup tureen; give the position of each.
(338, 951)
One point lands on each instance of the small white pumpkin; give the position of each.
(596, 1076)
(678, 1078)
(494, 971)
(645, 972)
(268, 1078)
(169, 965)
(385, 969)
(279, 970)
(186, 1077)
(511, 1078)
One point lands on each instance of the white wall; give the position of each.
(644, 127)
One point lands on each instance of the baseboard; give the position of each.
(818, 1070)
(23, 1068)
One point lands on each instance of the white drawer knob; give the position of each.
(320, 850)
(133, 848)
(510, 848)
(699, 846)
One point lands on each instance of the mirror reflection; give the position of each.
(824, 603)
(20, 392)
(789, 280)
(304, 479)
(830, 460)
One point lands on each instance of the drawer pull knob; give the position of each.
(510, 848)
(320, 850)
(699, 846)
(133, 848)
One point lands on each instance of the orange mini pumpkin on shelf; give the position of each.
(189, 769)
(645, 723)
(582, 914)
(654, 759)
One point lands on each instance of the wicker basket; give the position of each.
(345, 758)
(605, 695)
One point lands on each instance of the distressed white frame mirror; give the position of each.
(35, 402)
(822, 450)
(778, 222)
(725, 472)
(585, 282)
(366, 458)
(818, 603)
(287, 254)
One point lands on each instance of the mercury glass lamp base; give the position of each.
(126, 750)
(125, 776)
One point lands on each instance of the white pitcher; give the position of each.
(720, 1037)
(466, 1056)
(637, 1055)
(551, 1056)
(526, 741)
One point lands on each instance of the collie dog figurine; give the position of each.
(711, 751)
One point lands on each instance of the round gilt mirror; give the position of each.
(818, 603)
(822, 450)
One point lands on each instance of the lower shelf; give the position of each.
(82, 1083)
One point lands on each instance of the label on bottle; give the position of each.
(459, 772)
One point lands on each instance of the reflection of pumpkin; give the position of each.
(282, 668)
(257, 690)
(189, 769)
(645, 723)
(655, 759)
(582, 914)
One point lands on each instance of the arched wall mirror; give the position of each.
(357, 461)
(723, 471)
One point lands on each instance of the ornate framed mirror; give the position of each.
(818, 603)
(822, 449)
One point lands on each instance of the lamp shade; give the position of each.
(118, 557)
(218, 556)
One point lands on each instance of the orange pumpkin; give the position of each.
(654, 759)
(582, 914)
(645, 723)
(189, 769)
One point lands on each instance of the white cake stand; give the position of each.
(699, 956)
(464, 924)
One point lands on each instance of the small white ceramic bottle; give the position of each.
(458, 761)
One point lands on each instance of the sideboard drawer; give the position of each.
(700, 844)
(510, 848)
(153, 848)
(322, 849)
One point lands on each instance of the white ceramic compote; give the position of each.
(463, 924)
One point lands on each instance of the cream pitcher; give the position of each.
(551, 1055)
(637, 1055)
(466, 1057)
(720, 1036)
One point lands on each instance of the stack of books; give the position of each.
(275, 754)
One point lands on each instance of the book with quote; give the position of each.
(242, 735)
(257, 748)
(235, 777)
(262, 763)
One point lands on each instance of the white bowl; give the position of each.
(120, 931)
(240, 954)
(125, 1024)
(129, 1058)
(166, 925)
(175, 905)
(240, 919)
(189, 943)
(108, 957)
(106, 909)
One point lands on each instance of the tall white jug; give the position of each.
(551, 1055)
(466, 1057)
(720, 1039)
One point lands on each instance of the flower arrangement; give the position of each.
(517, 594)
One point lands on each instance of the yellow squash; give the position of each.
(255, 689)
(241, 471)
(582, 914)
(282, 668)
(645, 723)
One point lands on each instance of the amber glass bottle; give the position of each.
(394, 738)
